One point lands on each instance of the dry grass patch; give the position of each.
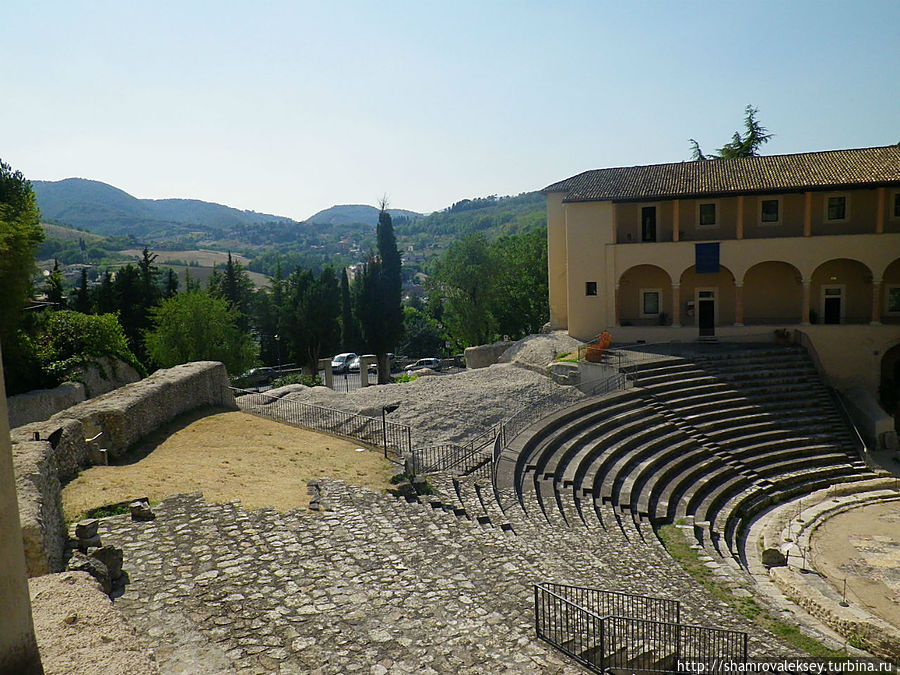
(227, 456)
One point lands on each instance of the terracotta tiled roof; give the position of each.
(775, 173)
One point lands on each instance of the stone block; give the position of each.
(140, 510)
(111, 557)
(79, 562)
(483, 356)
(87, 528)
(772, 557)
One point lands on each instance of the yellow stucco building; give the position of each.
(736, 247)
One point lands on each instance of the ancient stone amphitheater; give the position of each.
(538, 552)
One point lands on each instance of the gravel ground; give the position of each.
(537, 351)
(79, 631)
(444, 408)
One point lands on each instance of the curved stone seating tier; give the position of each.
(521, 451)
(713, 441)
(555, 458)
(632, 479)
(611, 471)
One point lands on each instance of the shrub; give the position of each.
(296, 378)
(68, 340)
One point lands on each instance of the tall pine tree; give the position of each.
(350, 340)
(379, 311)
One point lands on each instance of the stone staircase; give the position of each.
(439, 583)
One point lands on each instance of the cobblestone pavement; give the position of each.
(375, 585)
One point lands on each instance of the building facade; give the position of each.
(731, 247)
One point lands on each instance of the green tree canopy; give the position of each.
(67, 340)
(312, 327)
(350, 338)
(422, 336)
(520, 298)
(464, 278)
(20, 236)
(378, 300)
(195, 326)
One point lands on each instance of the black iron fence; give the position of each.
(647, 635)
(617, 603)
(524, 418)
(461, 459)
(396, 439)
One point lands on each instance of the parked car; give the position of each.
(257, 376)
(434, 364)
(341, 362)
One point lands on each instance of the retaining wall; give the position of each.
(123, 416)
(485, 355)
(98, 377)
(40, 404)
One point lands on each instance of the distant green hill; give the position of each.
(105, 209)
(493, 216)
(350, 214)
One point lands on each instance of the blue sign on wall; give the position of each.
(706, 258)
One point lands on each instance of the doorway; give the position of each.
(832, 304)
(648, 223)
(706, 312)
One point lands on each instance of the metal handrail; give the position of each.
(862, 447)
(373, 430)
(604, 640)
(513, 425)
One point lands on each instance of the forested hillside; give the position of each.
(105, 209)
(339, 236)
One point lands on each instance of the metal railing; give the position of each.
(617, 603)
(606, 629)
(462, 459)
(858, 439)
(391, 436)
(524, 418)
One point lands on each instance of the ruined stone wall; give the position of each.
(133, 411)
(106, 374)
(40, 404)
(40, 507)
(98, 377)
(483, 356)
(50, 452)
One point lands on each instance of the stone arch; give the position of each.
(889, 385)
(722, 281)
(890, 285)
(635, 284)
(772, 293)
(848, 279)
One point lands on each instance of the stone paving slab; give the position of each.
(374, 585)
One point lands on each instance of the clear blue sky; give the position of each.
(291, 107)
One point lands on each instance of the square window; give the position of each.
(769, 210)
(893, 300)
(837, 208)
(707, 214)
(650, 303)
(590, 288)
